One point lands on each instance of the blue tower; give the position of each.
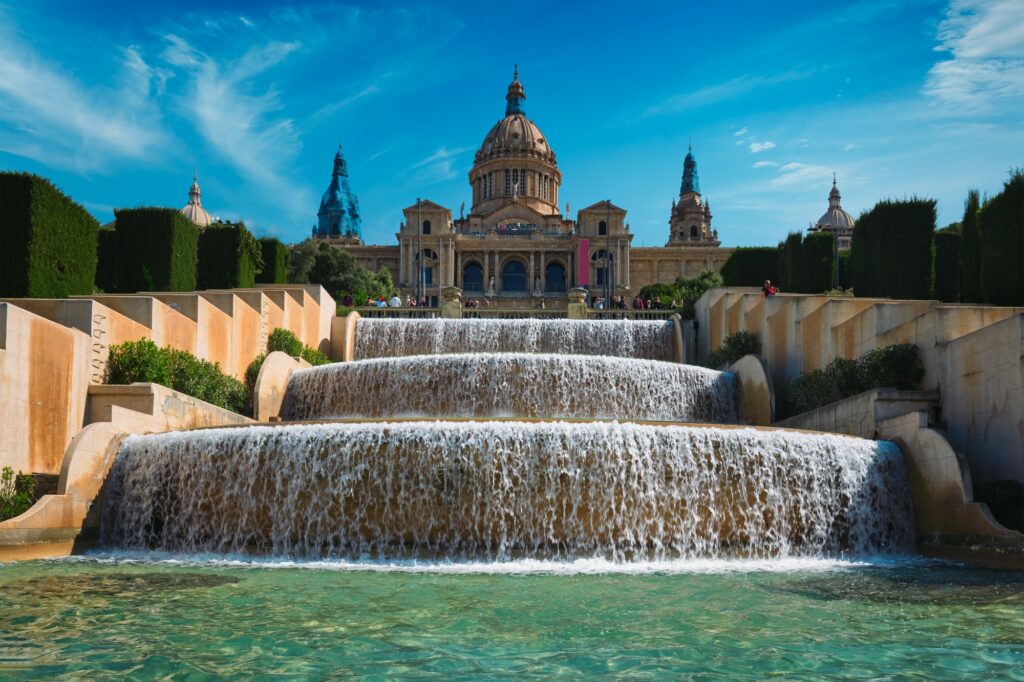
(339, 208)
(691, 183)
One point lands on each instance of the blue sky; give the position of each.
(117, 102)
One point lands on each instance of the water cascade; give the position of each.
(496, 490)
(388, 338)
(512, 385)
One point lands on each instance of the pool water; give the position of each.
(156, 617)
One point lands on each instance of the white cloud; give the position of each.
(986, 41)
(849, 146)
(804, 174)
(765, 164)
(740, 132)
(56, 120)
(758, 147)
(438, 166)
(721, 92)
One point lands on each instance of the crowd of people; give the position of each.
(380, 302)
(619, 303)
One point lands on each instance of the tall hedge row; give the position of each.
(157, 250)
(892, 250)
(947, 266)
(751, 266)
(1002, 245)
(47, 241)
(806, 263)
(229, 257)
(106, 260)
(970, 250)
(275, 262)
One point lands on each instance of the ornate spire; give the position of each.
(691, 182)
(340, 167)
(515, 95)
(195, 195)
(833, 196)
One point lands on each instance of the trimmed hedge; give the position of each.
(157, 250)
(947, 266)
(806, 263)
(751, 266)
(892, 250)
(845, 281)
(734, 347)
(286, 342)
(897, 366)
(106, 260)
(970, 250)
(1002, 245)
(49, 241)
(229, 257)
(275, 262)
(178, 370)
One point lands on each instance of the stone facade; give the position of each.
(516, 246)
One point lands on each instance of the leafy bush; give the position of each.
(1006, 500)
(897, 366)
(751, 266)
(690, 290)
(252, 373)
(178, 370)
(49, 241)
(286, 342)
(157, 250)
(17, 493)
(275, 262)
(734, 347)
(229, 257)
(893, 247)
(338, 272)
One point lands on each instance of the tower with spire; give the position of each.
(338, 217)
(690, 217)
(836, 220)
(194, 210)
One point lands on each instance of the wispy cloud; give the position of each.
(765, 164)
(849, 146)
(986, 41)
(721, 92)
(758, 147)
(802, 174)
(56, 120)
(437, 166)
(741, 132)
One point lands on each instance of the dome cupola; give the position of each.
(835, 218)
(194, 210)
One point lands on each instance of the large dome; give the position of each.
(515, 135)
(835, 217)
(194, 210)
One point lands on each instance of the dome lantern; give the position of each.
(194, 210)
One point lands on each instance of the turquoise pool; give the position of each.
(153, 618)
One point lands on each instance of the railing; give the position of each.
(514, 313)
(408, 313)
(492, 313)
(629, 314)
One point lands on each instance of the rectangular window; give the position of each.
(428, 276)
(508, 183)
(602, 276)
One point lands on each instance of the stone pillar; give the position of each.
(577, 307)
(487, 270)
(457, 280)
(451, 303)
(530, 272)
(543, 273)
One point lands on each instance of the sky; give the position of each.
(118, 103)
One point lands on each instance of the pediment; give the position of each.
(517, 213)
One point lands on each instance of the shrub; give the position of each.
(893, 247)
(17, 493)
(1002, 245)
(734, 347)
(947, 266)
(286, 342)
(252, 373)
(897, 366)
(49, 241)
(970, 250)
(751, 266)
(178, 370)
(229, 257)
(275, 262)
(1006, 500)
(157, 250)
(690, 290)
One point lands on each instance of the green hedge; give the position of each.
(845, 281)
(106, 260)
(1002, 245)
(897, 366)
(947, 266)
(734, 347)
(17, 493)
(286, 342)
(893, 250)
(806, 263)
(48, 241)
(229, 257)
(275, 262)
(970, 250)
(157, 250)
(178, 370)
(751, 266)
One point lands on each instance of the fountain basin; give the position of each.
(512, 384)
(498, 490)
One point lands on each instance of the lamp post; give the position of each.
(608, 253)
(419, 252)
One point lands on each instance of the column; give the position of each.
(458, 270)
(487, 268)
(529, 271)
(543, 273)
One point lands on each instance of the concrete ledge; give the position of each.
(860, 414)
(272, 384)
(756, 394)
(343, 337)
(947, 522)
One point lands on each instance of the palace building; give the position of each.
(515, 244)
(836, 220)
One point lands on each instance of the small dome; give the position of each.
(835, 217)
(194, 210)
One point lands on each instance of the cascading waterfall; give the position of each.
(648, 340)
(497, 490)
(512, 385)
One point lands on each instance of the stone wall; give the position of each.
(972, 356)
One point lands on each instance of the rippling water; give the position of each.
(107, 618)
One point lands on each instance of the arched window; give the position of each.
(600, 255)
(426, 227)
(602, 228)
(554, 277)
(694, 232)
(473, 278)
(513, 276)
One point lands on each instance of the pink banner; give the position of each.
(583, 264)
